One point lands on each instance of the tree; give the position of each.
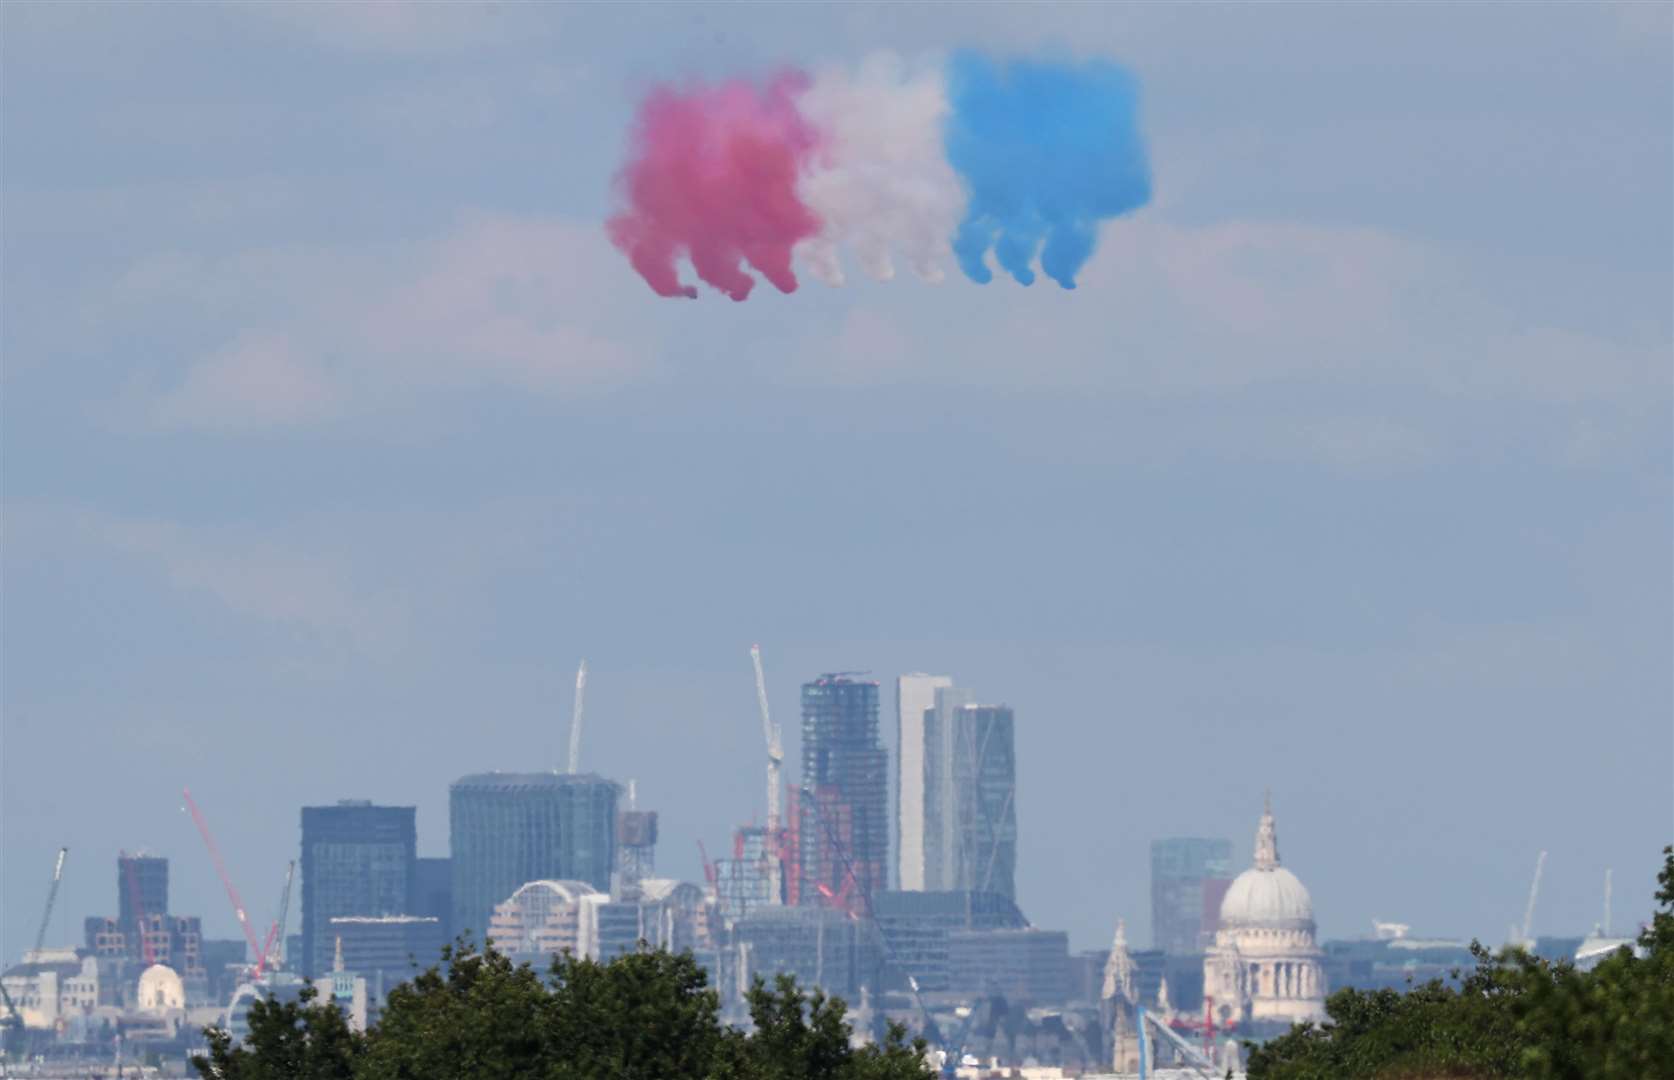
(1516, 1015)
(648, 1015)
(288, 1040)
(799, 1036)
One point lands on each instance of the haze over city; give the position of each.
(336, 433)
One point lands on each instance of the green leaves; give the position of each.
(1514, 1016)
(644, 1016)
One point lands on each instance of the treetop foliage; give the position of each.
(1516, 1015)
(643, 1016)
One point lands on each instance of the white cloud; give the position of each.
(409, 26)
(257, 381)
(303, 582)
(1194, 309)
(497, 301)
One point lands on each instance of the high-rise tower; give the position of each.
(357, 860)
(508, 829)
(1189, 875)
(970, 786)
(914, 696)
(843, 801)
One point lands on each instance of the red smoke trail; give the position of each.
(713, 176)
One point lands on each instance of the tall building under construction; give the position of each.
(508, 829)
(843, 802)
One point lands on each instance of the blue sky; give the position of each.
(335, 434)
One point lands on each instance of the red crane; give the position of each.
(232, 893)
(708, 866)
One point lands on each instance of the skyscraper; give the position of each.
(508, 829)
(142, 889)
(985, 798)
(843, 803)
(357, 859)
(1183, 871)
(970, 785)
(914, 695)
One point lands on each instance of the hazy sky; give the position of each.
(335, 434)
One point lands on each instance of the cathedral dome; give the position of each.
(1267, 895)
(1267, 898)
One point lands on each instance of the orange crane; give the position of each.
(232, 893)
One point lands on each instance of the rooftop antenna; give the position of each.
(575, 718)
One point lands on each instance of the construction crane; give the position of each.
(12, 1033)
(52, 898)
(273, 950)
(221, 871)
(1534, 894)
(775, 751)
(1606, 926)
(575, 718)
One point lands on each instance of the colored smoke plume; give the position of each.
(962, 157)
(880, 180)
(1047, 151)
(713, 177)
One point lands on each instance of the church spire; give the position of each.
(1267, 840)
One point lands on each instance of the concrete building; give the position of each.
(914, 696)
(142, 888)
(545, 918)
(394, 948)
(821, 947)
(541, 919)
(357, 859)
(610, 928)
(843, 803)
(636, 851)
(507, 829)
(143, 933)
(917, 926)
(1027, 965)
(1264, 965)
(433, 891)
(53, 985)
(1189, 875)
(751, 877)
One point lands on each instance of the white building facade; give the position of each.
(1265, 963)
(914, 695)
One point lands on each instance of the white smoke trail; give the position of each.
(882, 182)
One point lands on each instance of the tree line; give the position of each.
(653, 1016)
(1514, 1016)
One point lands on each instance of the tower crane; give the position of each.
(221, 870)
(273, 949)
(575, 718)
(775, 751)
(1534, 894)
(52, 898)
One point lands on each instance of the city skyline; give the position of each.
(1203, 854)
(336, 432)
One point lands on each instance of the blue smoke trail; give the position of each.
(1046, 151)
